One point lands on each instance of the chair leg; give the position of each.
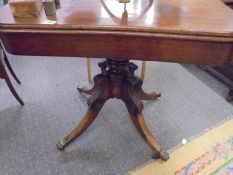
(4, 75)
(86, 90)
(143, 70)
(10, 68)
(88, 69)
(9, 84)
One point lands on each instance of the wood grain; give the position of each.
(184, 31)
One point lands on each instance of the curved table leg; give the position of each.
(95, 103)
(87, 120)
(135, 106)
(10, 68)
(146, 134)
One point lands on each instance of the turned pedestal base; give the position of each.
(117, 80)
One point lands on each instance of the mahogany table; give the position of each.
(182, 31)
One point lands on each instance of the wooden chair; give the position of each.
(88, 69)
(4, 75)
(143, 70)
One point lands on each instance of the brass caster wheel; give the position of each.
(61, 144)
(163, 156)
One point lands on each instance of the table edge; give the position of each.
(187, 35)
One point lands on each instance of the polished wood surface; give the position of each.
(187, 31)
(209, 17)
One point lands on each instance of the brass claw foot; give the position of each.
(61, 144)
(163, 156)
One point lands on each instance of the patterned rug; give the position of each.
(209, 154)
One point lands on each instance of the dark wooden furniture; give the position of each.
(4, 75)
(224, 73)
(182, 31)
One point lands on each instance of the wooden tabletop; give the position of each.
(189, 20)
(199, 17)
